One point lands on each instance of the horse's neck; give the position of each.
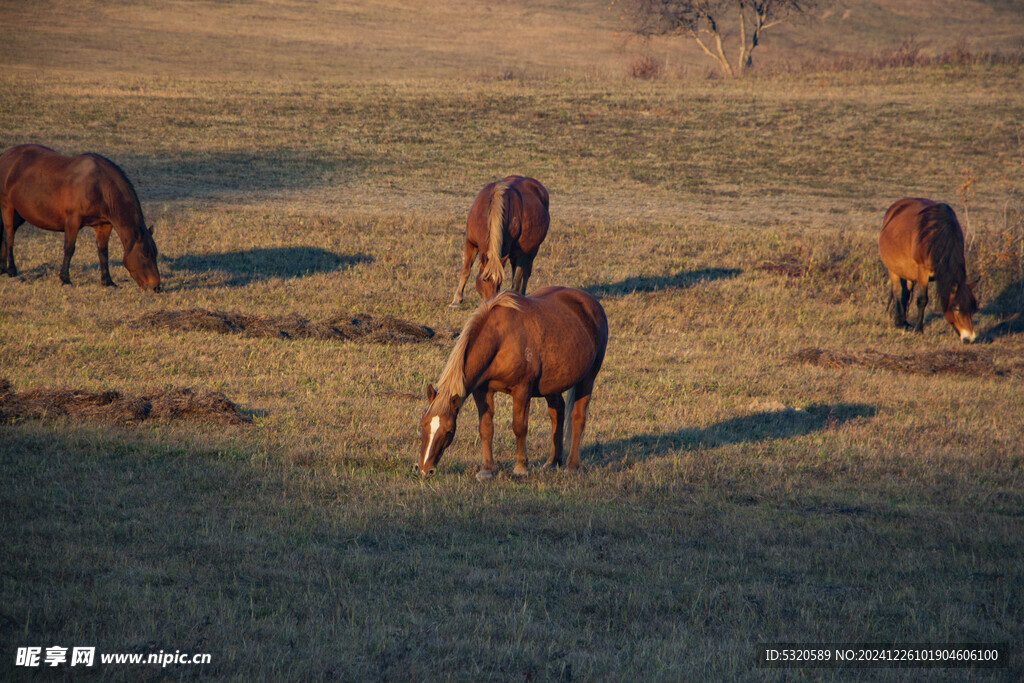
(127, 234)
(479, 356)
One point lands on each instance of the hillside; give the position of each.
(402, 39)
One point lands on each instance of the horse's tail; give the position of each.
(497, 216)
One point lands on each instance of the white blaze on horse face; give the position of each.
(435, 424)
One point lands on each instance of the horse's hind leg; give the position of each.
(11, 221)
(102, 250)
(71, 228)
(467, 265)
(556, 409)
(579, 420)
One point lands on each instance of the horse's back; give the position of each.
(534, 217)
(45, 186)
(528, 187)
(15, 160)
(916, 236)
(899, 241)
(562, 331)
(580, 304)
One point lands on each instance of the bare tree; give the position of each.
(706, 21)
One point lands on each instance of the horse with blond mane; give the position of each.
(921, 241)
(541, 345)
(508, 221)
(65, 194)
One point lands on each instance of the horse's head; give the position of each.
(140, 260)
(959, 309)
(486, 287)
(437, 429)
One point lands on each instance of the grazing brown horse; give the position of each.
(508, 221)
(921, 241)
(531, 346)
(64, 194)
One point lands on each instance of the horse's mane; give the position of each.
(940, 229)
(496, 217)
(453, 378)
(135, 219)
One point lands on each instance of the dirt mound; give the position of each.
(799, 264)
(378, 329)
(971, 363)
(111, 406)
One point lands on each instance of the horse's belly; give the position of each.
(558, 377)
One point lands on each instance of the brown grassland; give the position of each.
(766, 457)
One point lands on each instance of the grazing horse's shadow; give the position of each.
(1009, 303)
(659, 283)
(760, 426)
(239, 268)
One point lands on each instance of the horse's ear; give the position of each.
(152, 228)
(431, 393)
(456, 403)
(973, 284)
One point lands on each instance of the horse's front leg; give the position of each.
(71, 228)
(520, 418)
(485, 407)
(906, 291)
(922, 304)
(521, 270)
(467, 266)
(102, 250)
(556, 410)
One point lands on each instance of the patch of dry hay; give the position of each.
(111, 406)
(970, 363)
(378, 329)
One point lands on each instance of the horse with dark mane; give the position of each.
(922, 241)
(65, 194)
(508, 221)
(540, 345)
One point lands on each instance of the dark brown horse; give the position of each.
(540, 345)
(508, 221)
(65, 194)
(922, 241)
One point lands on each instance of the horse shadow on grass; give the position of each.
(1009, 305)
(660, 283)
(240, 268)
(760, 426)
(238, 173)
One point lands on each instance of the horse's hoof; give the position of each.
(455, 304)
(484, 475)
(109, 283)
(520, 472)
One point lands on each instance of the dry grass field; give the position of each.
(766, 458)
